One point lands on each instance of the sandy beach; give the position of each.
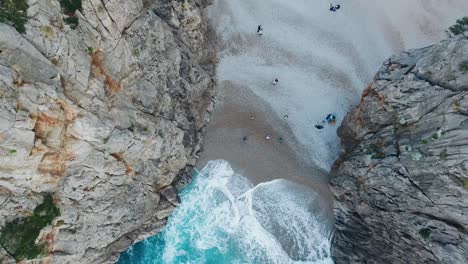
(234, 136)
(323, 61)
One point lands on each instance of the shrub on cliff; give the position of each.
(18, 236)
(460, 28)
(69, 8)
(13, 13)
(464, 66)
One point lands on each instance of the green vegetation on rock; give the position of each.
(464, 182)
(18, 236)
(60, 223)
(90, 50)
(425, 233)
(69, 8)
(376, 151)
(54, 61)
(464, 66)
(443, 155)
(13, 13)
(461, 180)
(460, 27)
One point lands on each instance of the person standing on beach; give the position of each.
(334, 8)
(331, 119)
(260, 30)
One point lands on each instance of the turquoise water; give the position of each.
(223, 218)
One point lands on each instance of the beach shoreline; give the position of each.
(323, 62)
(255, 157)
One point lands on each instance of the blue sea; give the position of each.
(223, 218)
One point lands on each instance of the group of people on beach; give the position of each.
(333, 8)
(330, 119)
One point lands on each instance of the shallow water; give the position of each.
(223, 218)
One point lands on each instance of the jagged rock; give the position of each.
(106, 117)
(401, 188)
(5, 257)
(170, 193)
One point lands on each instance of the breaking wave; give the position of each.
(223, 218)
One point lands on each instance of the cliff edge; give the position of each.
(401, 188)
(103, 105)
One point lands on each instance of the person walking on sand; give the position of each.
(334, 8)
(331, 119)
(275, 81)
(260, 30)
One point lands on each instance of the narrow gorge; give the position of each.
(151, 131)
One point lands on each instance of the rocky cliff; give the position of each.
(103, 103)
(401, 188)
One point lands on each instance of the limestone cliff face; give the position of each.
(401, 188)
(104, 117)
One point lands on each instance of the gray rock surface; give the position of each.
(401, 188)
(106, 117)
(5, 257)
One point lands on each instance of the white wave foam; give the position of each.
(273, 222)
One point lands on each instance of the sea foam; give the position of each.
(223, 218)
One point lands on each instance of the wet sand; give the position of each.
(257, 158)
